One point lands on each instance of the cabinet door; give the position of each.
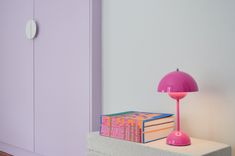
(62, 76)
(16, 74)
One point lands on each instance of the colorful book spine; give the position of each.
(136, 126)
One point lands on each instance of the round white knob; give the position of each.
(31, 29)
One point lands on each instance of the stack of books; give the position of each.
(141, 127)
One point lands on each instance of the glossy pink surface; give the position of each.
(177, 84)
(178, 138)
(177, 81)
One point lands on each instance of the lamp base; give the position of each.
(178, 138)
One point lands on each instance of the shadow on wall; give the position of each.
(212, 109)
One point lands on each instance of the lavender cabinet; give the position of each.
(50, 88)
(63, 76)
(16, 74)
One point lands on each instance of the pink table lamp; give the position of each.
(177, 84)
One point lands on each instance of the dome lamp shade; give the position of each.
(177, 84)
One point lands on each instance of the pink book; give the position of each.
(117, 128)
(105, 129)
(138, 127)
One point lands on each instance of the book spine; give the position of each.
(105, 126)
(121, 129)
(132, 131)
(138, 131)
(128, 130)
(117, 129)
(114, 127)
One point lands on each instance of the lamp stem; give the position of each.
(178, 115)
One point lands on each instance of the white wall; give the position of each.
(145, 39)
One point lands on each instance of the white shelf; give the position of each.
(105, 146)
